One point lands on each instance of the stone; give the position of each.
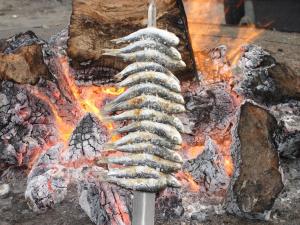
(257, 180)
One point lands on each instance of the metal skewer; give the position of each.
(144, 202)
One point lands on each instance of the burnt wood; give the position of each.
(94, 23)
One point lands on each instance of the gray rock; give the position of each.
(257, 181)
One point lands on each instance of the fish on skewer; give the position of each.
(150, 55)
(150, 114)
(138, 67)
(159, 35)
(152, 77)
(153, 127)
(146, 101)
(149, 89)
(147, 44)
(143, 136)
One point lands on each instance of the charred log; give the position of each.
(93, 26)
(168, 206)
(25, 124)
(48, 181)
(87, 139)
(256, 181)
(288, 139)
(21, 59)
(208, 170)
(105, 203)
(210, 108)
(261, 78)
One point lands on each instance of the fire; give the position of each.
(205, 19)
(188, 181)
(192, 152)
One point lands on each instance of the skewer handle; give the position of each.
(152, 13)
(143, 208)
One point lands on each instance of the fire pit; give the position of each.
(241, 126)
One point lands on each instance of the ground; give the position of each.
(47, 17)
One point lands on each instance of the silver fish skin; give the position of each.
(135, 171)
(153, 77)
(147, 101)
(143, 136)
(149, 89)
(162, 36)
(146, 159)
(149, 148)
(153, 127)
(150, 55)
(148, 44)
(150, 114)
(143, 67)
(142, 184)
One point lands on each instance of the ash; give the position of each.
(208, 171)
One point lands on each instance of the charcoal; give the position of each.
(105, 203)
(252, 77)
(48, 181)
(208, 170)
(288, 139)
(48, 160)
(168, 205)
(87, 139)
(259, 77)
(25, 124)
(22, 39)
(46, 190)
(257, 180)
(94, 74)
(210, 108)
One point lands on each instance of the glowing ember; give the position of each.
(187, 180)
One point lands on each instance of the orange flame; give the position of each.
(187, 180)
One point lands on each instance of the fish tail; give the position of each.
(106, 50)
(117, 41)
(111, 53)
(118, 76)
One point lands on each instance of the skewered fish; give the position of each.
(147, 44)
(149, 89)
(147, 101)
(144, 67)
(161, 36)
(144, 136)
(150, 55)
(153, 127)
(153, 77)
(149, 147)
(150, 114)
(146, 159)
